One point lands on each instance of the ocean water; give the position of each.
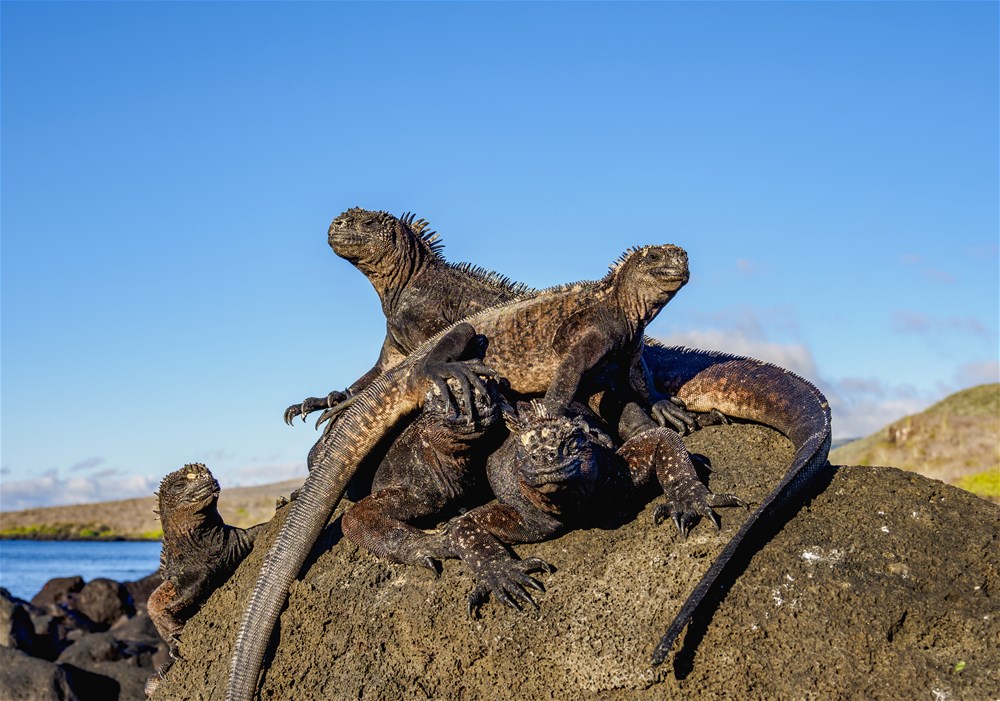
(26, 565)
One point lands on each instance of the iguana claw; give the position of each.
(311, 404)
(685, 509)
(508, 580)
(672, 412)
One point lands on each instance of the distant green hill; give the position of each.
(956, 441)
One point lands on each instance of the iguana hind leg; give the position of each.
(378, 524)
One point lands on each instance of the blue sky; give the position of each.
(169, 171)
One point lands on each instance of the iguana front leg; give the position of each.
(581, 356)
(479, 538)
(660, 451)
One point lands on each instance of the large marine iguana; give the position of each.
(198, 554)
(547, 344)
(704, 381)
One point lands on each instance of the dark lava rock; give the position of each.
(883, 585)
(104, 601)
(97, 647)
(57, 591)
(100, 666)
(24, 678)
(140, 589)
(139, 628)
(17, 630)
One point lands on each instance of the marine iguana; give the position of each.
(546, 344)
(546, 477)
(438, 460)
(711, 384)
(421, 293)
(199, 552)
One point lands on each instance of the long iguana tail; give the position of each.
(748, 389)
(335, 460)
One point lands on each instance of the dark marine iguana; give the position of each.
(199, 552)
(575, 329)
(436, 464)
(547, 477)
(704, 381)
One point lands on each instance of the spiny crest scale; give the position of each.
(420, 227)
(493, 279)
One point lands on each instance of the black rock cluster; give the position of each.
(79, 640)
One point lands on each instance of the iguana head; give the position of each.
(189, 489)
(556, 453)
(377, 242)
(649, 277)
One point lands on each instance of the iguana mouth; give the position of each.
(563, 471)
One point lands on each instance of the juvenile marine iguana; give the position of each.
(198, 554)
(546, 344)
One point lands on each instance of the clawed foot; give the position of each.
(458, 356)
(691, 501)
(673, 413)
(312, 404)
(154, 681)
(508, 581)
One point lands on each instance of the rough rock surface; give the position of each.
(105, 602)
(883, 586)
(25, 678)
(53, 652)
(57, 591)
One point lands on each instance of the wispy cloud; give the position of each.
(51, 489)
(914, 322)
(791, 356)
(749, 267)
(87, 464)
(977, 373)
(933, 274)
(938, 276)
(263, 473)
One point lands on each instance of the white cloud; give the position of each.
(859, 406)
(263, 473)
(791, 356)
(52, 490)
(981, 373)
(87, 464)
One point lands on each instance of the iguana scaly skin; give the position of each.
(198, 554)
(546, 344)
